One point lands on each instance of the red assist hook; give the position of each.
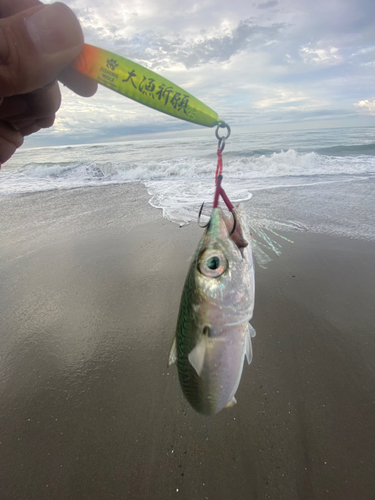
(219, 191)
(219, 169)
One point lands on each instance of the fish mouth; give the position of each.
(233, 228)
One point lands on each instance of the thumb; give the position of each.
(35, 45)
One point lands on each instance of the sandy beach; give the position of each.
(90, 288)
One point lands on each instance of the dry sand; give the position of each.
(90, 287)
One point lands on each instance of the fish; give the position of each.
(213, 333)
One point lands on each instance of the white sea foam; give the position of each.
(44, 176)
(179, 174)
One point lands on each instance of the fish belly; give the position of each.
(214, 387)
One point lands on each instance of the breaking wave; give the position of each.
(247, 170)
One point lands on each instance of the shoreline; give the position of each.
(91, 283)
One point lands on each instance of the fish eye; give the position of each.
(212, 263)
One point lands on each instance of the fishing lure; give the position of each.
(143, 85)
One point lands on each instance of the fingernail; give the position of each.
(54, 28)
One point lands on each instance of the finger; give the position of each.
(44, 122)
(14, 106)
(41, 108)
(10, 140)
(38, 104)
(44, 102)
(21, 124)
(79, 83)
(35, 46)
(30, 130)
(11, 7)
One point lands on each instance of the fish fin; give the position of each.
(173, 353)
(252, 330)
(232, 403)
(248, 346)
(197, 355)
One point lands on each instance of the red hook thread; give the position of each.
(219, 191)
(219, 168)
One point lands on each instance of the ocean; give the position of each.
(91, 277)
(312, 180)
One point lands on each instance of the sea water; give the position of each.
(317, 180)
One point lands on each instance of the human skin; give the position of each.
(37, 45)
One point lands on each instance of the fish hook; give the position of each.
(199, 218)
(208, 223)
(234, 222)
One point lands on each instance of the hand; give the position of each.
(37, 45)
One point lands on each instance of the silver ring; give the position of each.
(222, 125)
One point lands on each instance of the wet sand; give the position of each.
(90, 287)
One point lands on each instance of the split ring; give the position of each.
(222, 125)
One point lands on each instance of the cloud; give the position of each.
(260, 62)
(159, 51)
(326, 56)
(220, 47)
(366, 106)
(267, 5)
(282, 98)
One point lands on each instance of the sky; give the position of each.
(264, 65)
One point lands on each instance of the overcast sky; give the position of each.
(268, 65)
